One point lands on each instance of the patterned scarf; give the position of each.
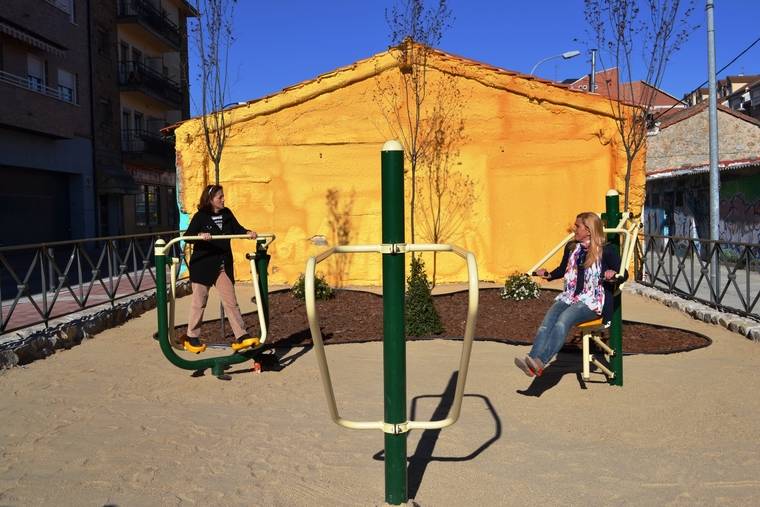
(590, 292)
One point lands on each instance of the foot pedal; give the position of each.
(192, 348)
(250, 342)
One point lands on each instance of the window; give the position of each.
(67, 86)
(154, 211)
(147, 208)
(126, 116)
(138, 122)
(35, 72)
(140, 208)
(171, 206)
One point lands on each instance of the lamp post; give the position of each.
(565, 56)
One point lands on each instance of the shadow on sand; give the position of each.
(423, 454)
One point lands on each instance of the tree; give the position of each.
(445, 194)
(213, 37)
(415, 30)
(633, 33)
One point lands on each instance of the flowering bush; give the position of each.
(322, 289)
(519, 286)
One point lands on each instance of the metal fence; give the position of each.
(49, 280)
(721, 274)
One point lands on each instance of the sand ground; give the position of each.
(112, 422)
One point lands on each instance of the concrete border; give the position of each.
(38, 342)
(735, 323)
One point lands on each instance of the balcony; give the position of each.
(152, 18)
(135, 75)
(62, 93)
(145, 148)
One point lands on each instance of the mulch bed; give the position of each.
(354, 317)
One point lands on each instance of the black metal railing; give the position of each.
(143, 141)
(135, 74)
(49, 280)
(153, 17)
(720, 274)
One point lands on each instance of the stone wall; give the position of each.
(685, 143)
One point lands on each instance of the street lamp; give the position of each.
(566, 56)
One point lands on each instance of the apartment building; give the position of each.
(46, 156)
(151, 70)
(724, 88)
(85, 86)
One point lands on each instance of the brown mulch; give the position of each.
(353, 317)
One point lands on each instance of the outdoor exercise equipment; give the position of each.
(249, 349)
(595, 330)
(395, 425)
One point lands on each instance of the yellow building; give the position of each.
(304, 163)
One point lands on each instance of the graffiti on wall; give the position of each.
(681, 207)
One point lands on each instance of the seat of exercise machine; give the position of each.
(591, 323)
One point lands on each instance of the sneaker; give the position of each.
(520, 363)
(193, 344)
(243, 342)
(536, 365)
(242, 338)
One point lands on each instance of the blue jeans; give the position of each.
(555, 326)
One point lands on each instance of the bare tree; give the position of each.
(636, 34)
(445, 193)
(213, 37)
(414, 31)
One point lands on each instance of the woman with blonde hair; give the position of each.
(589, 267)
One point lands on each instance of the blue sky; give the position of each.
(281, 43)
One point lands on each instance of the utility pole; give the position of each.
(714, 175)
(592, 77)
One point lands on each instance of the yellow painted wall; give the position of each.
(539, 154)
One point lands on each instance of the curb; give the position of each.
(742, 325)
(38, 342)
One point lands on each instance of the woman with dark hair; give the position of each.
(211, 264)
(589, 267)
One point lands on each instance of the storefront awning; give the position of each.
(31, 40)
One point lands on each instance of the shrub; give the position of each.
(519, 286)
(322, 289)
(421, 316)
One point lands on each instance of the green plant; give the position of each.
(322, 289)
(519, 286)
(421, 316)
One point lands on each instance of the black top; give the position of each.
(209, 256)
(610, 260)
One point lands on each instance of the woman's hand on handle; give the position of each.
(542, 273)
(205, 236)
(251, 234)
(610, 274)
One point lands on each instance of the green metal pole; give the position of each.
(394, 345)
(613, 217)
(262, 265)
(163, 329)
